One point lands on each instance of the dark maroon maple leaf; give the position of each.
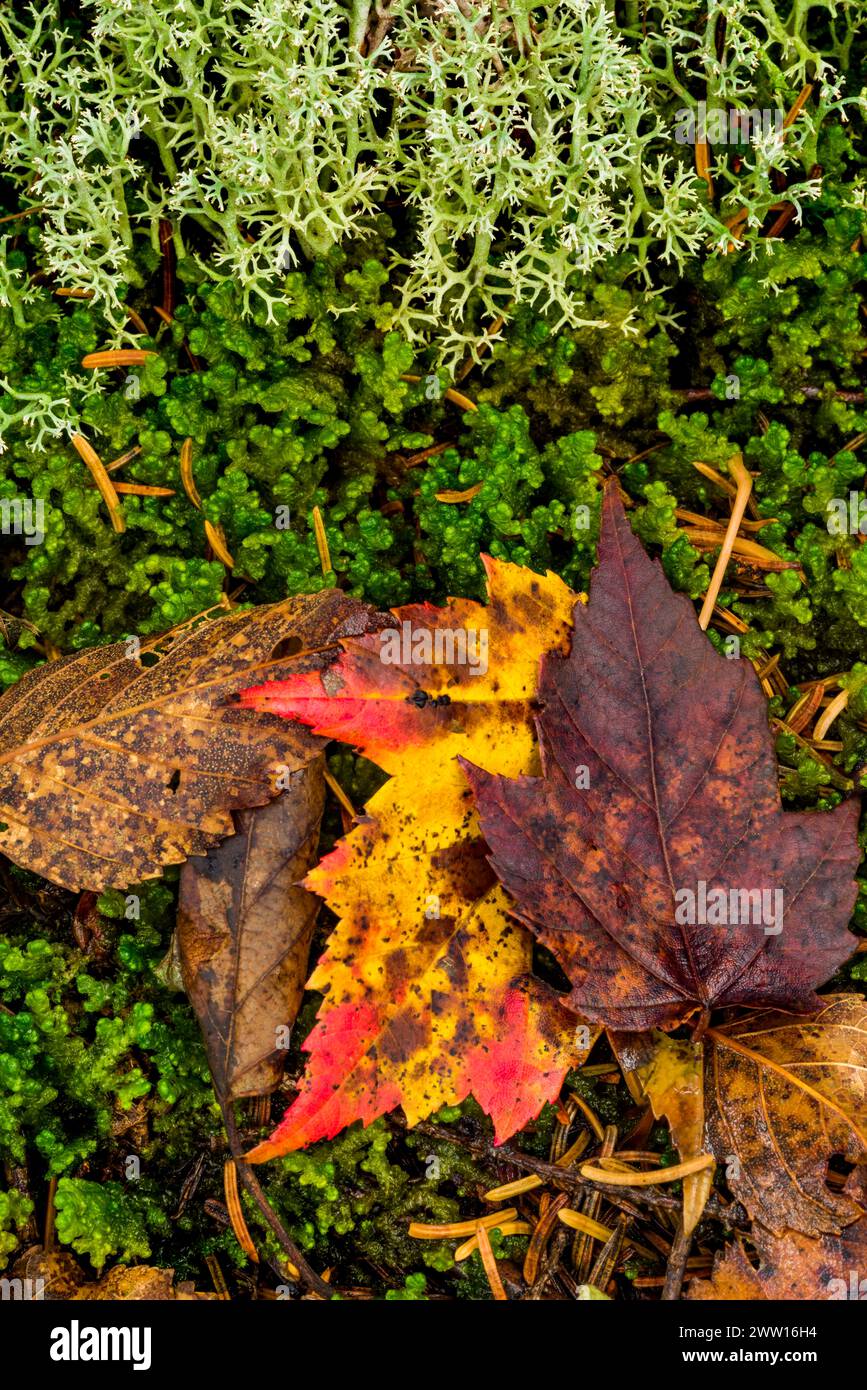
(653, 857)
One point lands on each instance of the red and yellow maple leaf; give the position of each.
(427, 993)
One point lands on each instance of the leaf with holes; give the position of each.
(793, 1266)
(428, 996)
(112, 768)
(783, 1093)
(653, 856)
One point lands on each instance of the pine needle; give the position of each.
(91, 458)
(123, 459)
(467, 495)
(236, 1214)
(143, 490)
(823, 724)
(490, 1265)
(322, 542)
(217, 541)
(577, 1221)
(187, 478)
(423, 1231)
(117, 357)
(744, 488)
(344, 800)
(450, 394)
(650, 1179)
(217, 1276)
(511, 1228)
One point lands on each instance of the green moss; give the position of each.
(15, 1211)
(107, 1218)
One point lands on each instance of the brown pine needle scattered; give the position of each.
(344, 800)
(750, 551)
(166, 318)
(117, 357)
(606, 1262)
(726, 485)
(828, 682)
(779, 225)
(809, 747)
(735, 220)
(490, 1265)
(91, 458)
(716, 477)
(450, 394)
(508, 1190)
(144, 490)
(531, 1182)
(744, 487)
(123, 459)
(136, 320)
(769, 668)
(823, 724)
(322, 542)
(800, 102)
(595, 1125)
(217, 541)
(735, 223)
(457, 398)
(511, 1228)
(50, 1213)
(28, 212)
(613, 1163)
(732, 620)
(705, 522)
(75, 294)
(421, 1230)
(702, 165)
(467, 495)
(217, 1276)
(577, 1221)
(541, 1235)
(187, 479)
(236, 1214)
(656, 1175)
(432, 451)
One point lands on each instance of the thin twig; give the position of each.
(676, 1267)
(307, 1275)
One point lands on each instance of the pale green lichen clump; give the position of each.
(521, 144)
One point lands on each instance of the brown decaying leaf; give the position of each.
(783, 1093)
(244, 931)
(55, 1275)
(142, 1283)
(669, 744)
(794, 1266)
(111, 769)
